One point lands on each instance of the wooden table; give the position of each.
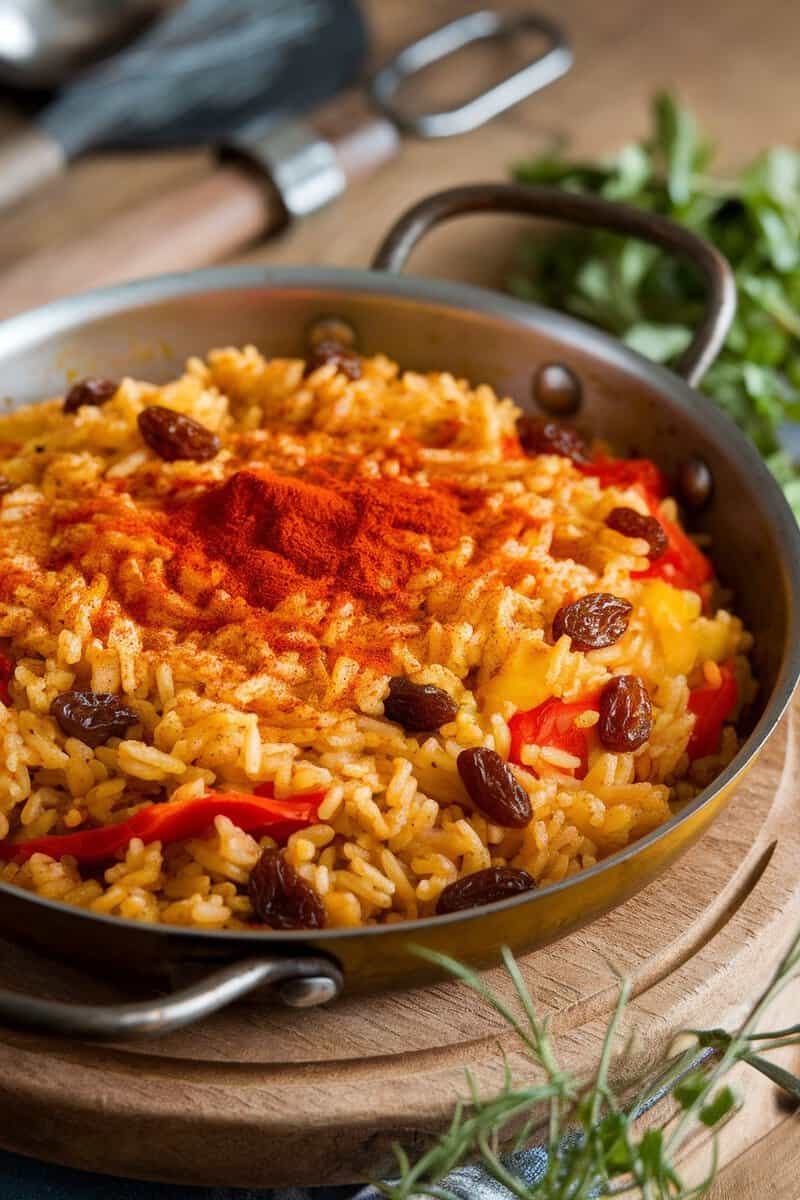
(735, 63)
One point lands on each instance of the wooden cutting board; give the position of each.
(261, 1095)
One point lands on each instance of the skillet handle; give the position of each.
(298, 982)
(593, 212)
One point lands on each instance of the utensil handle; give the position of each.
(27, 160)
(298, 982)
(263, 182)
(594, 213)
(190, 226)
(311, 160)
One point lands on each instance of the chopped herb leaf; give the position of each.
(653, 302)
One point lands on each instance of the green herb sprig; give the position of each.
(653, 302)
(596, 1144)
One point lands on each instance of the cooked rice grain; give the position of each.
(227, 710)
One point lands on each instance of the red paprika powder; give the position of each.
(273, 536)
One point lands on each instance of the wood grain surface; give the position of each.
(775, 1157)
(263, 1095)
(735, 62)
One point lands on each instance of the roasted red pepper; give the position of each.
(510, 445)
(629, 472)
(553, 724)
(682, 564)
(257, 813)
(712, 707)
(6, 671)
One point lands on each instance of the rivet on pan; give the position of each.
(695, 483)
(557, 390)
(306, 993)
(330, 329)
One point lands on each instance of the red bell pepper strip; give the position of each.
(511, 447)
(629, 472)
(682, 564)
(553, 724)
(6, 671)
(175, 820)
(712, 707)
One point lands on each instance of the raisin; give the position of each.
(493, 788)
(418, 707)
(89, 391)
(540, 435)
(344, 359)
(594, 621)
(626, 714)
(6, 486)
(633, 524)
(282, 898)
(173, 436)
(92, 717)
(483, 887)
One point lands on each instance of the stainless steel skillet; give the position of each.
(151, 327)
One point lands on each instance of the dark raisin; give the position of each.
(483, 887)
(695, 484)
(418, 707)
(92, 717)
(173, 436)
(626, 714)
(594, 621)
(633, 524)
(344, 359)
(89, 391)
(282, 898)
(540, 435)
(493, 788)
(6, 486)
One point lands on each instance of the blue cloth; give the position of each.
(26, 1179)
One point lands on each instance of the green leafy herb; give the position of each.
(654, 303)
(596, 1144)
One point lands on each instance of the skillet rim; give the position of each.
(21, 332)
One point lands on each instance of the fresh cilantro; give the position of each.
(654, 303)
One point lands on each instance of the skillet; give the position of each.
(641, 408)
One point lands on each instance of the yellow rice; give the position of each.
(395, 825)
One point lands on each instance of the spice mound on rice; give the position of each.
(296, 644)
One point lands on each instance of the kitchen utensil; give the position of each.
(426, 324)
(271, 173)
(43, 43)
(200, 71)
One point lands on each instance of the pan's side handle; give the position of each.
(299, 982)
(593, 212)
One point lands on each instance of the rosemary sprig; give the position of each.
(596, 1145)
